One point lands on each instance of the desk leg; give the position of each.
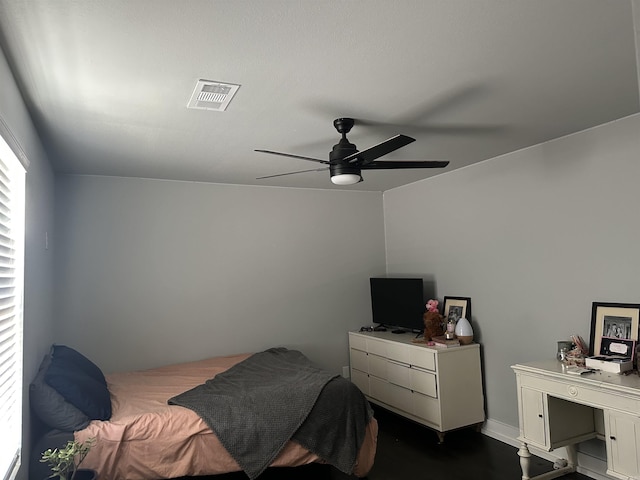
(572, 453)
(525, 460)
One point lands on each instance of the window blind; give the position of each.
(12, 194)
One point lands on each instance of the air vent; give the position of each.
(210, 95)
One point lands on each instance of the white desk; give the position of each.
(557, 409)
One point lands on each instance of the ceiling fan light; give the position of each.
(346, 179)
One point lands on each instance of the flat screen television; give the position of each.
(398, 303)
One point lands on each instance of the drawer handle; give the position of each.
(540, 415)
(573, 391)
(612, 437)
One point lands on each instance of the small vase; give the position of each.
(564, 346)
(450, 334)
(464, 331)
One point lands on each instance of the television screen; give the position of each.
(398, 302)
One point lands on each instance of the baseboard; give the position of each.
(587, 465)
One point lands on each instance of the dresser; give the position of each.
(440, 388)
(559, 409)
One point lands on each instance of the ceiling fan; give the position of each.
(346, 162)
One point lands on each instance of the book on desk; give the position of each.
(443, 342)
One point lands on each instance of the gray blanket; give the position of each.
(259, 404)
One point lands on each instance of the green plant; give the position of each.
(64, 462)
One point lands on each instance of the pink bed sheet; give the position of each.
(146, 439)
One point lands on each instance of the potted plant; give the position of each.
(64, 462)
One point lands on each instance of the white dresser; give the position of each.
(557, 409)
(440, 388)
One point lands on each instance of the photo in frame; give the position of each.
(456, 308)
(613, 323)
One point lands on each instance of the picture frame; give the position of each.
(618, 321)
(456, 308)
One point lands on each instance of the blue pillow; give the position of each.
(51, 407)
(67, 355)
(76, 378)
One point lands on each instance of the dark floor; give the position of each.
(407, 450)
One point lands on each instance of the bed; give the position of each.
(151, 426)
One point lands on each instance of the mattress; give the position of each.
(146, 438)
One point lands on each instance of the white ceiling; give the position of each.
(108, 82)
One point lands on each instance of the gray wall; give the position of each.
(152, 272)
(533, 237)
(38, 302)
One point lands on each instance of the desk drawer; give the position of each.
(581, 393)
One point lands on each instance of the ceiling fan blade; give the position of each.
(368, 155)
(405, 164)
(293, 173)
(439, 129)
(317, 160)
(421, 118)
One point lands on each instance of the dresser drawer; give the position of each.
(427, 408)
(401, 398)
(423, 382)
(359, 360)
(377, 366)
(377, 347)
(393, 395)
(378, 389)
(399, 374)
(391, 350)
(398, 352)
(423, 358)
(357, 341)
(393, 372)
(360, 380)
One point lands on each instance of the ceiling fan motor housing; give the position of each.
(341, 150)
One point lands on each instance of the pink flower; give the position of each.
(432, 306)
